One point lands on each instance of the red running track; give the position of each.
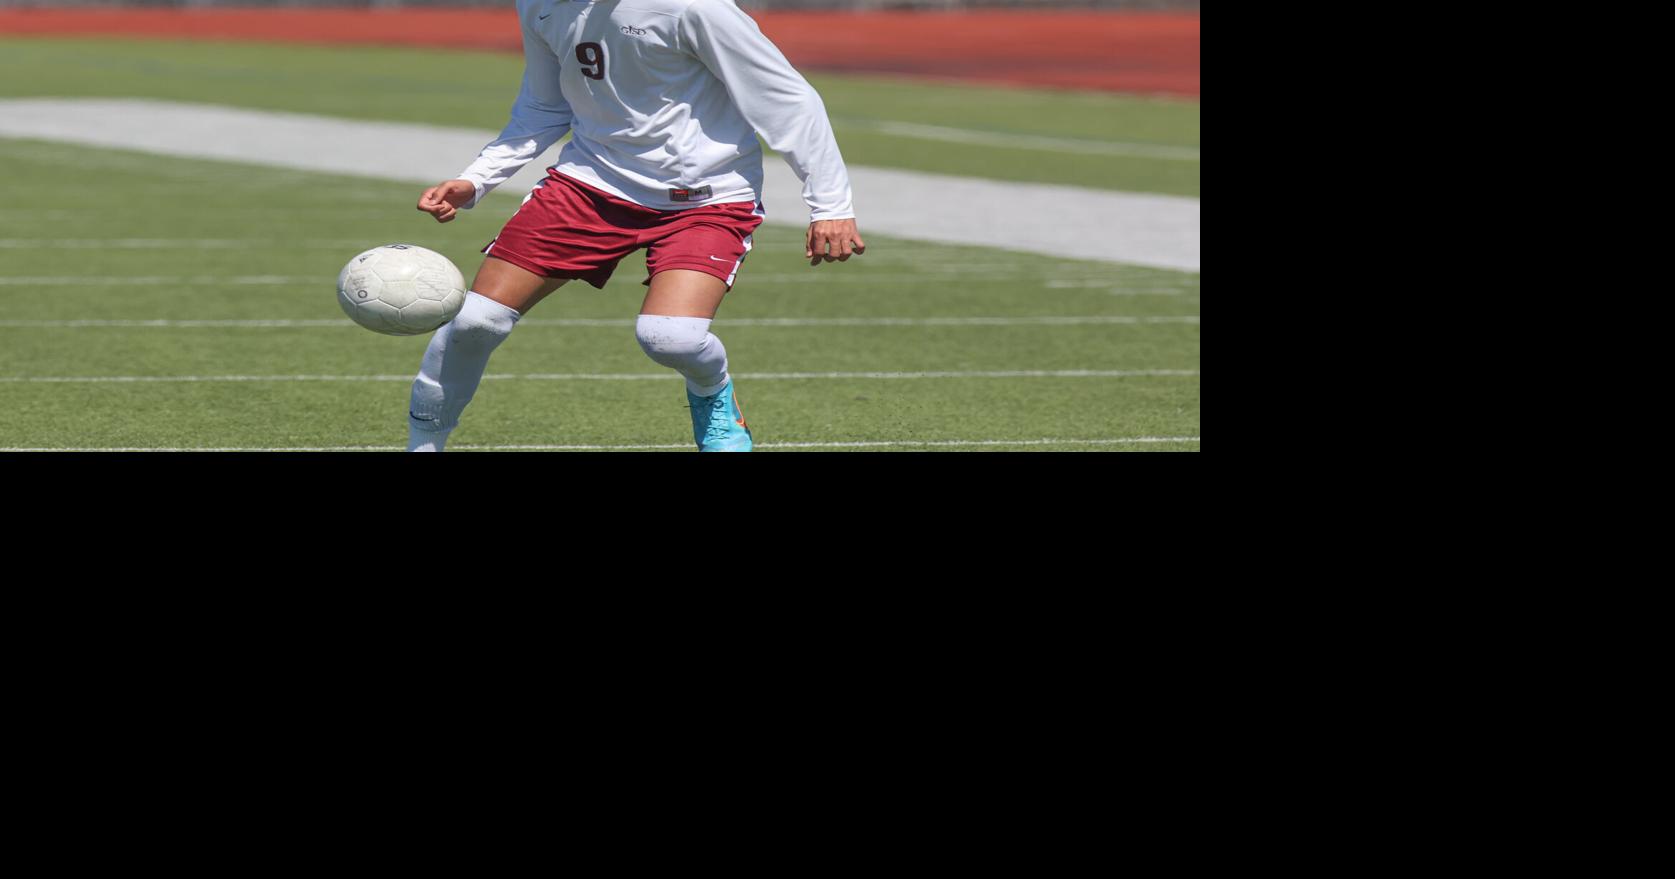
(1150, 53)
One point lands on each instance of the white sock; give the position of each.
(686, 345)
(452, 368)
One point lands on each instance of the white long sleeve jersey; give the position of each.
(664, 99)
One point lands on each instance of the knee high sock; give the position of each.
(452, 368)
(686, 345)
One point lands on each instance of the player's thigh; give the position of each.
(697, 259)
(684, 293)
(513, 286)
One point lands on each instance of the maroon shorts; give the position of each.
(568, 229)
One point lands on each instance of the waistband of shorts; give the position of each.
(614, 199)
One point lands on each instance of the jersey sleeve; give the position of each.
(540, 117)
(774, 98)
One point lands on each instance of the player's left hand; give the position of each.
(833, 241)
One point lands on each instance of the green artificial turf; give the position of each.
(157, 239)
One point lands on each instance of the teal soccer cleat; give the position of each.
(717, 423)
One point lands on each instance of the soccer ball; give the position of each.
(400, 290)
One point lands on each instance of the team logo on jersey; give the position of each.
(633, 30)
(696, 193)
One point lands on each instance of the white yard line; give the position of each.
(747, 281)
(351, 247)
(172, 324)
(627, 376)
(121, 243)
(1139, 440)
(870, 444)
(1117, 288)
(1024, 141)
(1062, 221)
(161, 280)
(1078, 283)
(1046, 321)
(1008, 373)
(1086, 320)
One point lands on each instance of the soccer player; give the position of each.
(664, 100)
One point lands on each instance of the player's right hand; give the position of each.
(443, 200)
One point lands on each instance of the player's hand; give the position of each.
(833, 241)
(443, 200)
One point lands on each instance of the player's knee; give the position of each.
(672, 341)
(482, 321)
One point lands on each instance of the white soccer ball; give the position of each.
(400, 290)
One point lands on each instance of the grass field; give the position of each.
(151, 302)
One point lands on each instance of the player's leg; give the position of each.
(459, 352)
(693, 262)
(558, 233)
(515, 287)
(674, 330)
